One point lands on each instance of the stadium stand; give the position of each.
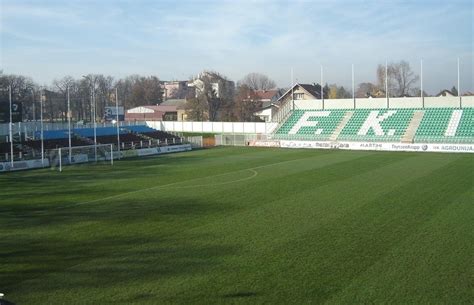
(416, 125)
(139, 128)
(446, 125)
(323, 124)
(5, 148)
(5, 151)
(153, 134)
(364, 125)
(52, 134)
(139, 136)
(55, 143)
(128, 140)
(101, 131)
(161, 136)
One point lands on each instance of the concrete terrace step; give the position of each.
(413, 127)
(341, 125)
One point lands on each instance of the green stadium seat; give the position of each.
(437, 125)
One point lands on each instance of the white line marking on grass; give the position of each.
(255, 173)
(171, 184)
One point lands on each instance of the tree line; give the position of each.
(133, 91)
(218, 99)
(213, 96)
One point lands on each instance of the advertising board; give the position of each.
(381, 146)
(22, 165)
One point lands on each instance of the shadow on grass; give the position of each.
(125, 243)
(127, 209)
(124, 176)
(240, 294)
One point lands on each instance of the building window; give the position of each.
(298, 96)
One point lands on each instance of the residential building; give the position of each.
(219, 85)
(269, 100)
(446, 93)
(170, 110)
(266, 96)
(299, 91)
(175, 89)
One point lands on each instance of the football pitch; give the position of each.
(242, 226)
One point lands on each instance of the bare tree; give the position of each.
(105, 85)
(196, 108)
(136, 90)
(147, 91)
(246, 104)
(366, 90)
(401, 78)
(214, 93)
(83, 98)
(61, 86)
(404, 77)
(257, 81)
(22, 91)
(124, 89)
(336, 91)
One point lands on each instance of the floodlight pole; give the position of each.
(69, 123)
(118, 122)
(93, 113)
(11, 125)
(322, 91)
(41, 126)
(421, 84)
(292, 86)
(34, 106)
(95, 124)
(60, 160)
(112, 154)
(353, 92)
(459, 86)
(386, 83)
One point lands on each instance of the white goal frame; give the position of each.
(69, 150)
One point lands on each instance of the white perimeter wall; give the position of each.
(213, 127)
(394, 102)
(30, 127)
(248, 127)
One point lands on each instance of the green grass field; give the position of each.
(242, 226)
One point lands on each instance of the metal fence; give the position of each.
(238, 139)
(195, 141)
(29, 128)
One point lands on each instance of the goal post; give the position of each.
(103, 153)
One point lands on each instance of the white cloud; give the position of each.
(173, 39)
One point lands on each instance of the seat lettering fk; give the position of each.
(373, 121)
(453, 123)
(304, 121)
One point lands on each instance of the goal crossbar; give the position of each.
(107, 155)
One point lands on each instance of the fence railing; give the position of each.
(29, 128)
(238, 139)
(213, 127)
(283, 112)
(27, 153)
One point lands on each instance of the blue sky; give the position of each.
(177, 39)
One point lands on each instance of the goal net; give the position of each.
(100, 153)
